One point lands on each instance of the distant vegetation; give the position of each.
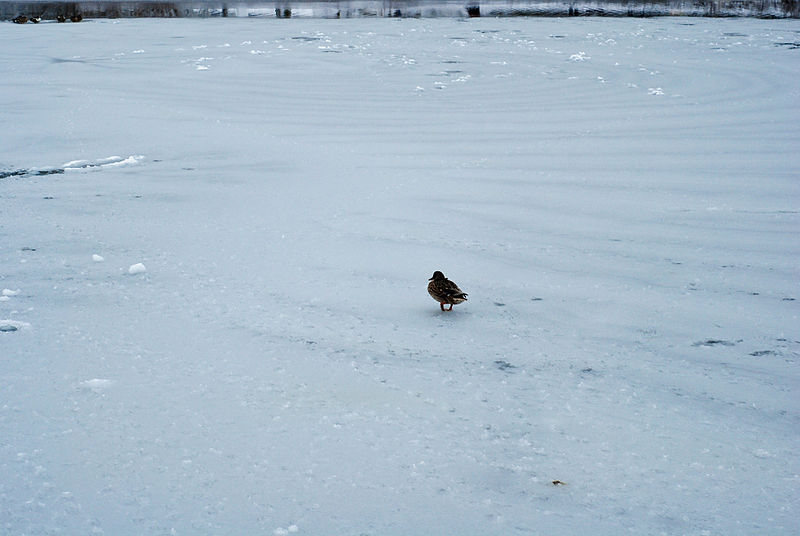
(34, 11)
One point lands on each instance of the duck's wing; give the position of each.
(451, 289)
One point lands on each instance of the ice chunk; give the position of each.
(7, 326)
(116, 161)
(76, 163)
(137, 268)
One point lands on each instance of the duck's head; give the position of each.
(436, 276)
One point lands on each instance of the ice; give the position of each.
(97, 258)
(99, 163)
(76, 164)
(627, 362)
(8, 325)
(118, 161)
(137, 268)
(97, 384)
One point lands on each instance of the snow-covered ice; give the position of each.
(619, 197)
(97, 384)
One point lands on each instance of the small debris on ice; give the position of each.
(9, 292)
(713, 342)
(97, 258)
(504, 365)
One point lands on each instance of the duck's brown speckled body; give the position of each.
(445, 291)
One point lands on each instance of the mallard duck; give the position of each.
(445, 291)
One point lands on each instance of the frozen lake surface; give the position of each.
(215, 238)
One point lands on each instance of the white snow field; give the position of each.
(215, 241)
